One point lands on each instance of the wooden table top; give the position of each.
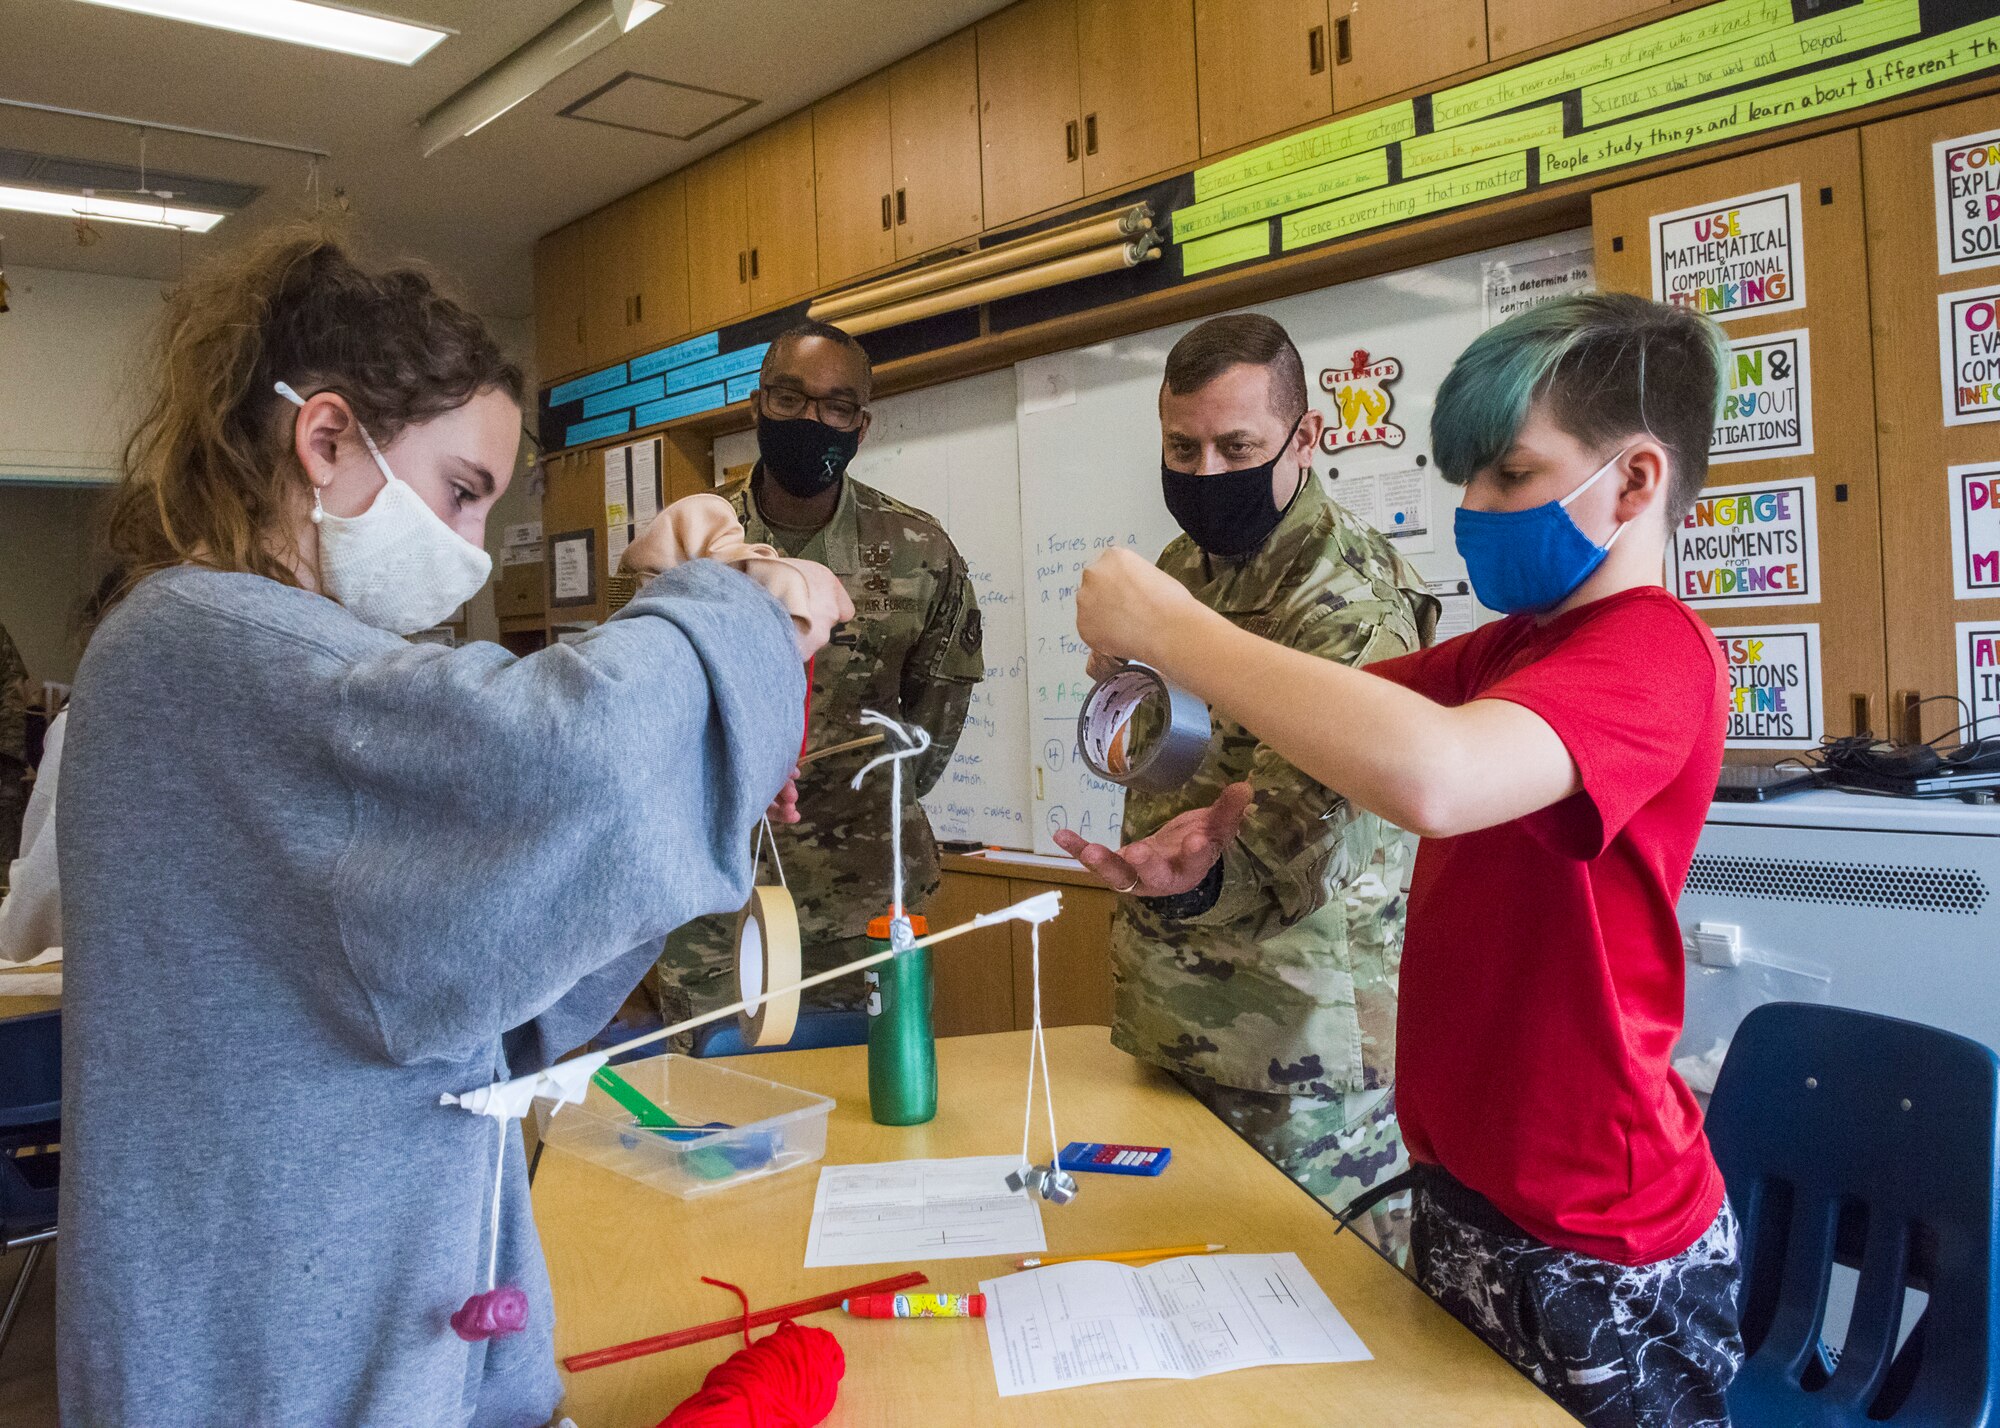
(626, 1262)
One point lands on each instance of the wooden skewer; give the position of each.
(831, 749)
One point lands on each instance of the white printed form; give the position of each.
(920, 1209)
(1091, 1321)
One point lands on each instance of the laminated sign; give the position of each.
(1748, 545)
(1969, 355)
(1361, 402)
(1979, 677)
(1739, 256)
(1767, 411)
(1975, 530)
(1966, 175)
(1774, 687)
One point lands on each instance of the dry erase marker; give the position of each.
(916, 1306)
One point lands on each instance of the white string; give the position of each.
(1038, 1049)
(914, 740)
(764, 831)
(499, 1166)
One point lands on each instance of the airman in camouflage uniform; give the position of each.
(1277, 1004)
(1264, 978)
(913, 651)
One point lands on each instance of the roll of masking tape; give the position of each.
(767, 956)
(1104, 731)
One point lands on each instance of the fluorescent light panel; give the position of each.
(298, 22)
(111, 210)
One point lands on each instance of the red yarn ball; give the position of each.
(492, 1315)
(788, 1379)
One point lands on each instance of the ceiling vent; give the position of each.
(647, 105)
(72, 175)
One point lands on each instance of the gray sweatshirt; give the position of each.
(313, 876)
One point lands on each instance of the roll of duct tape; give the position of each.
(767, 956)
(1104, 731)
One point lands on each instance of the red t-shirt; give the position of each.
(1542, 972)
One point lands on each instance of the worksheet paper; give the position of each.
(1092, 1321)
(920, 1209)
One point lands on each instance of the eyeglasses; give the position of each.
(788, 402)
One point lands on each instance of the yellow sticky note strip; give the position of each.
(1221, 249)
(1337, 140)
(1634, 50)
(1318, 184)
(1956, 54)
(1761, 56)
(1451, 189)
(1509, 134)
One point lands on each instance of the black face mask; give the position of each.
(805, 456)
(1229, 513)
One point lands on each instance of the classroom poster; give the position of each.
(1362, 402)
(1965, 173)
(521, 544)
(1739, 256)
(1774, 687)
(1975, 530)
(1756, 544)
(1979, 677)
(1396, 503)
(570, 579)
(617, 505)
(1768, 409)
(1509, 288)
(1969, 355)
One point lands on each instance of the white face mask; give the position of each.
(397, 565)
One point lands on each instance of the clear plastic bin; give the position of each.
(771, 1127)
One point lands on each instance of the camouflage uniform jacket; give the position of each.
(912, 651)
(1287, 983)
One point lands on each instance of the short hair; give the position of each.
(1607, 365)
(1210, 349)
(810, 328)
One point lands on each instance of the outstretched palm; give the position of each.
(1174, 859)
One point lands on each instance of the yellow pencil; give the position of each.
(1122, 1256)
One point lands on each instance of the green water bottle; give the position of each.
(902, 1051)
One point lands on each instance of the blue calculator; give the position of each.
(1104, 1159)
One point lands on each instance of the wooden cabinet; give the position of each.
(784, 228)
(1376, 53)
(559, 304)
(1136, 88)
(985, 980)
(718, 240)
(635, 278)
(1030, 132)
(1913, 445)
(934, 126)
(1516, 25)
(1842, 466)
(854, 167)
(1262, 67)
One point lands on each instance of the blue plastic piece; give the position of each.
(1098, 1158)
(1868, 1141)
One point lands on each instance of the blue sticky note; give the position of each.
(619, 398)
(686, 404)
(614, 425)
(579, 387)
(678, 355)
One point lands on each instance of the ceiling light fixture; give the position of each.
(88, 205)
(298, 22)
(555, 51)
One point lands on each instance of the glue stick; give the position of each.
(916, 1306)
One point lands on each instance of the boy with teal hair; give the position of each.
(1558, 764)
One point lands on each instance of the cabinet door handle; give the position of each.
(1908, 729)
(885, 212)
(753, 262)
(902, 205)
(742, 266)
(1343, 39)
(638, 307)
(1316, 50)
(1864, 723)
(579, 332)
(1090, 133)
(1069, 140)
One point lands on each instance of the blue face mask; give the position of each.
(1525, 562)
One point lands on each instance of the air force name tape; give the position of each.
(1104, 731)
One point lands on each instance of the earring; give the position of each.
(318, 511)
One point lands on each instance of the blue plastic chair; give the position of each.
(30, 1119)
(1868, 1141)
(816, 1029)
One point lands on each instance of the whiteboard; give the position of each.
(1035, 470)
(949, 450)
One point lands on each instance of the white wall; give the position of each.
(71, 351)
